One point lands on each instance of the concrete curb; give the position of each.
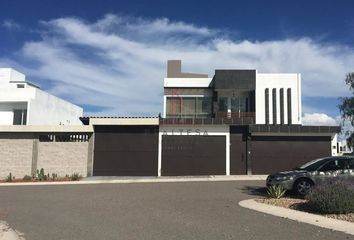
(314, 219)
(103, 180)
(6, 233)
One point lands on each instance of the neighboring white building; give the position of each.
(24, 103)
(343, 148)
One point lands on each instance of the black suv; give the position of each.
(301, 179)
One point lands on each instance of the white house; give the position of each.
(24, 103)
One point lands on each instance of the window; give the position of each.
(350, 164)
(20, 117)
(20, 85)
(289, 106)
(266, 94)
(189, 107)
(282, 106)
(223, 104)
(334, 165)
(274, 93)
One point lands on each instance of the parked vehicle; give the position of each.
(303, 178)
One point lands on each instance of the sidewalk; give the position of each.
(102, 180)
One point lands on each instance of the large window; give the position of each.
(188, 106)
(20, 117)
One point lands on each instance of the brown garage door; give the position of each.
(125, 151)
(193, 155)
(278, 153)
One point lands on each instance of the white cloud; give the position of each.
(11, 25)
(119, 62)
(319, 119)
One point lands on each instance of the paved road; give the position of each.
(195, 210)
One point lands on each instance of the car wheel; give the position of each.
(303, 186)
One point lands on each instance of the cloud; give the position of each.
(119, 62)
(11, 25)
(319, 119)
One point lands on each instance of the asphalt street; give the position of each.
(189, 210)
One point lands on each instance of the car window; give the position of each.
(333, 165)
(313, 165)
(350, 164)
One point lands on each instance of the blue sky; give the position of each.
(110, 56)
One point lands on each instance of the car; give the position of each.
(303, 178)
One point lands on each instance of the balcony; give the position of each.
(221, 118)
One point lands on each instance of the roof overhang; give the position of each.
(120, 120)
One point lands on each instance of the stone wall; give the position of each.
(15, 154)
(23, 153)
(63, 157)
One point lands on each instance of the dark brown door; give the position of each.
(279, 153)
(125, 151)
(193, 155)
(238, 144)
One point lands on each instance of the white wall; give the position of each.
(42, 109)
(46, 109)
(278, 81)
(9, 74)
(187, 82)
(7, 111)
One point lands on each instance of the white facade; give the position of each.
(282, 83)
(278, 81)
(38, 107)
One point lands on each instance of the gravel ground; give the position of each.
(300, 204)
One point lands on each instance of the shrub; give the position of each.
(41, 175)
(27, 178)
(335, 195)
(75, 177)
(9, 178)
(54, 176)
(276, 191)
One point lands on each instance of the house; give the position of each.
(236, 122)
(24, 103)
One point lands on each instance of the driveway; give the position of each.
(189, 210)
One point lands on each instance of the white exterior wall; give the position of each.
(46, 109)
(187, 82)
(7, 113)
(278, 81)
(8, 74)
(334, 145)
(195, 130)
(42, 108)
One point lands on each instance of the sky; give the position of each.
(110, 56)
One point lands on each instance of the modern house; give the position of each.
(236, 122)
(24, 103)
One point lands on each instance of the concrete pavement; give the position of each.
(178, 210)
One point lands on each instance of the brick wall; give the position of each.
(63, 157)
(15, 154)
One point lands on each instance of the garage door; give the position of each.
(193, 155)
(278, 153)
(125, 151)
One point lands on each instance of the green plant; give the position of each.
(75, 177)
(41, 175)
(27, 178)
(276, 191)
(54, 176)
(9, 178)
(334, 195)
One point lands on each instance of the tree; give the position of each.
(346, 107)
